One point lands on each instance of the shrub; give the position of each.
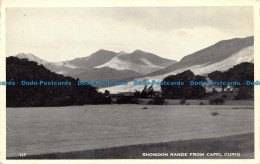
(127, 100)
(214, 113)
(188, 104)
(201, 103)
(158, 101)
(211, 101)
(150, 102)
(183, 101)
(214, 91)
(236, 97)
(217, 101)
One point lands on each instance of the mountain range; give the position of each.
(106, 65)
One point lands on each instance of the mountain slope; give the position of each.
(244, 55)
(73, 66)
(135, 57)
(209, 55)
(63, 94)
(106, 65)
(56, 67)
(31, 57)
(139, 61)
(106, 74)
(98, 58)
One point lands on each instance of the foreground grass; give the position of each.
(243, 144)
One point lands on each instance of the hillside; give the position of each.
(210, 55)
(139, 61)
(106, 74)
(19, 95)
(98, 58)
(106, 65)
(75, 66)
(244, 55)
(32, 57)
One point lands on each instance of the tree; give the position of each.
(199, 78)
(242, 72)
(157, 100)
(218, 76)
(150, 91)
(186, 90)
(215, 76)
(19, 95)
(137, 94)
(107, 98)
(144, 92)
(107, 93)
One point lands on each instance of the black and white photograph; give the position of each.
(130, 82)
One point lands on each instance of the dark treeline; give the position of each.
(183, 91)
(241, 73)
(18, 70)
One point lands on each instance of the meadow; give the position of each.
(46, 130)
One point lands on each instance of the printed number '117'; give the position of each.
(22, 154)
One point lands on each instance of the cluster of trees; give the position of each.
(18, 70)
(183, 91)
(242, 72)
(145, 93)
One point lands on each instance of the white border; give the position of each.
(128, 3)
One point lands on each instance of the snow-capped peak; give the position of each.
(31, 57)
(120, 63)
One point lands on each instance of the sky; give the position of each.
(58, 34)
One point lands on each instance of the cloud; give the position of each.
(170, 18)
(58, 34)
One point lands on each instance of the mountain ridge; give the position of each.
(135, 64)
(212, 54)
(144, 65)
(245, 55)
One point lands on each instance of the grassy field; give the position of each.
(59, 130)
(204, 102)
(242, 144)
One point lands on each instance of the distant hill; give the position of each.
(220, 56)
(58, 67)
(210, 55)
(139, 61)
(139, 65)
(98, 58)
(106, 65)
(32, 57)
(18, 70)
(106, 74)
(71, 67)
